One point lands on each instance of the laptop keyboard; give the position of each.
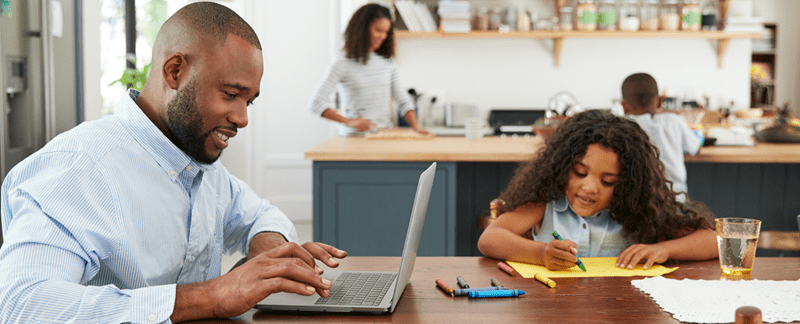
(358, 289)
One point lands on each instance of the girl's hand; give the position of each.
(560, 255)
(649, 253)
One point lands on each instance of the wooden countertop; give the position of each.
(508, 149)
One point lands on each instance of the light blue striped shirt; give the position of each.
(102, 223)
(597, 235)
(366, 91)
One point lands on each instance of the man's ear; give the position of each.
(174, 68)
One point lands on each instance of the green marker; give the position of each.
(579, 263)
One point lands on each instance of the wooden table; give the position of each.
(573, 300)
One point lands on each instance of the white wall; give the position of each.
(519, 73)
(296, 37)
(92, 98)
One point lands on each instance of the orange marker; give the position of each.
(445, 287)
(507, 268)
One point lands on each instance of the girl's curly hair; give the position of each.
(643, 202)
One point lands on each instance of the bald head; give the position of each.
(198, 27)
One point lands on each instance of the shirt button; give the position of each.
(584, 226)
(190, 259)
(151, 317)
(189, 168)
(171, 173)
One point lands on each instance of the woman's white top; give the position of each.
(365, 90)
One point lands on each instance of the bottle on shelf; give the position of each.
(565, 19)
(523, 20)
(607, 15)
(670, 18)
(649, 15)
(691, 15)
(710, 15)
(482, 19)
(629, 15)
(495, 19)
(586, 15)
(511, 18)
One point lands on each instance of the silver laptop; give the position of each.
(381, 290)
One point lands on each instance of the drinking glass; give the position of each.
(737, 239)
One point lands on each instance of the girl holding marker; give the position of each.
(599, 183)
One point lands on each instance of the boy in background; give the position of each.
(667, 131)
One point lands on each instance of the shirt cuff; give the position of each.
(152, 304)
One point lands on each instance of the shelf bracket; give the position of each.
(557, 43)
(722, 48)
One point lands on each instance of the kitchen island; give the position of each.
(364, 188)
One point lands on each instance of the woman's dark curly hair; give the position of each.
(357, 34)
(643, 202)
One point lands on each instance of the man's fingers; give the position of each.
(325, 253)
(292, 250)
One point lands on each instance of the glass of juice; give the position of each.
(736, 240)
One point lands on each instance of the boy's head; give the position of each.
(640, 94)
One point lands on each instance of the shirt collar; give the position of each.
(171, 158)
(562, 204)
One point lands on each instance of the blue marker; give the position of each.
(496, 293)
(465, 292)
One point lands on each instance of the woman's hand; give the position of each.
(360, 124)
(559, 255)
(649, 253)
(422, 131)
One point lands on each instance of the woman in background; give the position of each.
(367, 77)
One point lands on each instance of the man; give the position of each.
(125, 219)
(668, 132)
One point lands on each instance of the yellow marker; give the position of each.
(545, 280)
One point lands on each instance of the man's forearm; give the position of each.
(263, 242)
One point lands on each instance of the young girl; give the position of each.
(598, 183)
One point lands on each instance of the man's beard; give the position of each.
(186, 124)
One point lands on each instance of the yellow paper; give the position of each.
(595, 267)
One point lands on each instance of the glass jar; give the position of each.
(607, 15)
(586, 15)
(511, 18)
(649, 15)
(691, 15)
(482, 19)
(710, 14)
(629, 15)
(495, 19)
(523, 20)
(670, 18)
(565, 19)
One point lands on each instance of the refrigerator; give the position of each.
(39, 54)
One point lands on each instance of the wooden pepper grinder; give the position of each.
(748, 315)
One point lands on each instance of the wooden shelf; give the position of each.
(722, 38)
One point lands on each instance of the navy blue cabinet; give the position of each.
(364, 207)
